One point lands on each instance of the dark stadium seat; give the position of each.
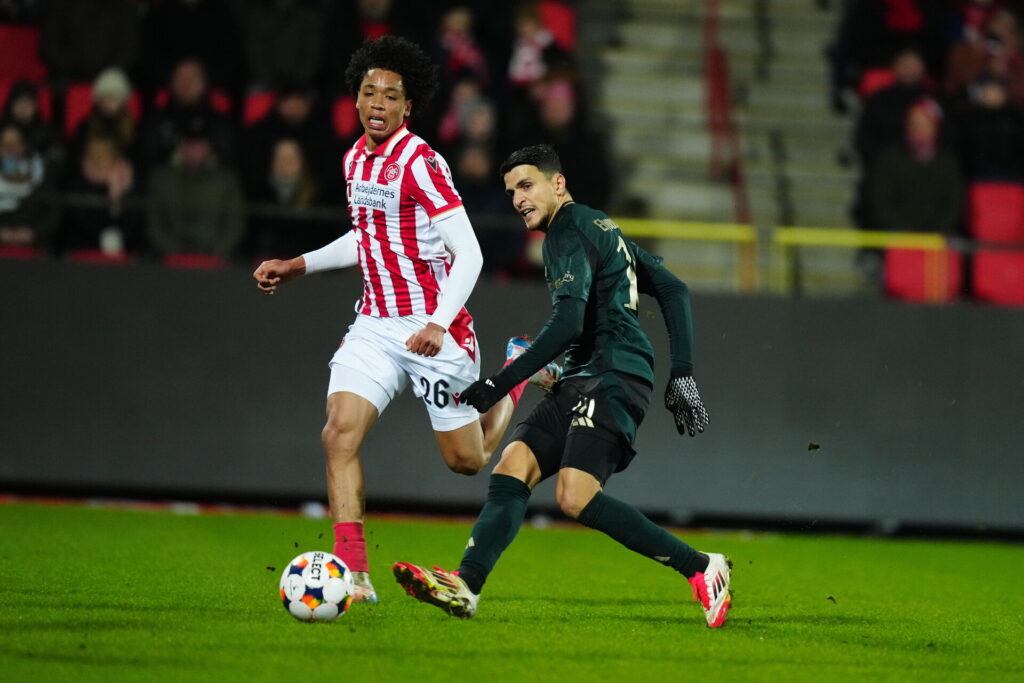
(45, 98)
(344, 117)
(19, 53)
(923, 275)
(256, 106)
(998, 277)
(996, 212)
(197, 261)
(79, 103)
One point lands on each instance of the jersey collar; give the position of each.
(561, 215)
(385, 149)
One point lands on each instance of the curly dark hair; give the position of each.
(543, 157)
(405, 58)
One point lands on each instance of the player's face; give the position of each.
(382, 105)
(535, 196)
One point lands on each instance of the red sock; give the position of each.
(517, 391)
(350, 545)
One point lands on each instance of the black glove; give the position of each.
(683, 400)
(482, 394)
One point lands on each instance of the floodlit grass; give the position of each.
(101, 594)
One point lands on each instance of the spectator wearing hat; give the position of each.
(109, 117)
(917, 185)
(194, 205)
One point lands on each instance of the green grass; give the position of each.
(102, 594)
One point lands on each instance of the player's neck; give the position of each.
(566, 201)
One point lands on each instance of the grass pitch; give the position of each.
(102, 594)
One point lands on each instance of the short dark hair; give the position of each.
(405, 58)
(543, 157)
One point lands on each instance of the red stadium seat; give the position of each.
(560, 19)
(196, 261)
(19, 253)
(344, 117)
(996, 212)
(218, 99)
(998, 277)
(874, 80)
(257, 105)
(45, 98)
(99, 256)
(19, 53)
(923, 275)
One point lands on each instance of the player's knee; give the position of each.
(518, 461)
(340, 436)
(572, 504)
(466, 464)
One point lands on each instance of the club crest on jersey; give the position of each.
(565, 279)
(392, 172)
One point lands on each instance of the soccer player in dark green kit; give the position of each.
(584, 429)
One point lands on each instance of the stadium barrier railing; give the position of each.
(766, 256)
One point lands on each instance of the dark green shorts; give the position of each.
(587, 423)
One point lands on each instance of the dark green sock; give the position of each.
(631, 528)
(495, 528)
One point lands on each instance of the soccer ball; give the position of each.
(316, 586)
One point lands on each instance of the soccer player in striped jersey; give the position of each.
(583, 431)
(411, 326)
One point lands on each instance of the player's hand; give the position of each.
(482, 394)
(683, 400)
(428, 341)
(270, 274)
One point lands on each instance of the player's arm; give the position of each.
(673, 297)
(457, 234)
(681, 396)
(563, 327)
(341, 253)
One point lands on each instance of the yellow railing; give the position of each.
(783, 242)
(743, 236)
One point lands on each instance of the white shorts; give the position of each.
(372, 362)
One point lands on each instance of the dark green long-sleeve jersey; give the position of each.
(595, 275)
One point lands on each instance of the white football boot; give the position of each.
(364, 591)
(711, 589)
(437, 587)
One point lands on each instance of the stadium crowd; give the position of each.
(202, 131)
(940, 130)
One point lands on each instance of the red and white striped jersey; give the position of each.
(395, 192)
